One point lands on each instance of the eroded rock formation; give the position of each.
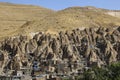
(100, 45)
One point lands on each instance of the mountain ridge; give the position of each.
(20, 19)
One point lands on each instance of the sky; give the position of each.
(61, 4)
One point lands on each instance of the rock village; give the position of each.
(52, 57)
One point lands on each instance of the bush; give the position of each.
(111, 72)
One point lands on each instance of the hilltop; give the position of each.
(23, 19)
(13, 16)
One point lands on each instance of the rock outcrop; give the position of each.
(96, 45)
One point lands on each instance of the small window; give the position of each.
(23, 72)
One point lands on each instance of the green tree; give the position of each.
(114, 71)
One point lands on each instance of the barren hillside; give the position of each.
(23, 19)
(13, 16)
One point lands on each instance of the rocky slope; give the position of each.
(100, 45)
(23, 19)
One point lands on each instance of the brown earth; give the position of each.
(22, 19)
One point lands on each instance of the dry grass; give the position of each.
(13, 16)
(23, 19)
(74, 17)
